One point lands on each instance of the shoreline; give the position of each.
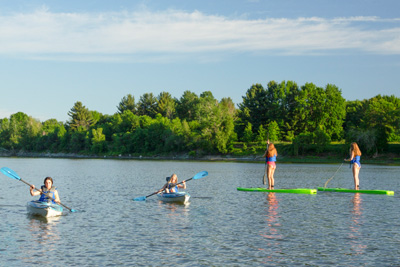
(382, 159)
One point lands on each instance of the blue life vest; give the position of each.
(51, 192)
(273, 158)
(170, 186)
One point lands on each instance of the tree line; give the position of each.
(200, 124)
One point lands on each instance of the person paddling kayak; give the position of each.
(50, 192)
(171, 186)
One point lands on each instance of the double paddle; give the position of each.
(12, 174)
(197, 176)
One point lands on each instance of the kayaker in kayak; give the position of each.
(270, 158)
(171, 186)
(355, 157)
(50, 192)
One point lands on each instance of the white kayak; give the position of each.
(44, 209)
(179, 197)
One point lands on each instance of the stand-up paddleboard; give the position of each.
(290, 190)
(345, 190)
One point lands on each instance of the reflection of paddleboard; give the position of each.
(290, 190)
(345, 190)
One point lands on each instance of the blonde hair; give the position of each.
(354, 148)
(272, 151)
(172, 177)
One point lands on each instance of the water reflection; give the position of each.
(272, 217)
(43, 230)
(272, 234)
(45, 236)
(174, 225)
(355, 235)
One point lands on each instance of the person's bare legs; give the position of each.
(271, 181)
(356, 171)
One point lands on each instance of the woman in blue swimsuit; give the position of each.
(355, 157)
(270, 157)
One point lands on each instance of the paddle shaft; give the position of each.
(265, 168)
(326, 183)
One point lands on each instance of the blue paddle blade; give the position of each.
(10, 173)
(200, 175)
(139, 199)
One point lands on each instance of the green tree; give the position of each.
(273, 131)
(187, 107)
(335, 112)
(53, 132)
(98, 141)
(166, 105)
(254, 108)
(248, 133)
(262, 134)
(225, 131)
(20, 132)
(127, 103)
(318, 108)
(147, 105)
(378, 116)
(78, 141)
(81, 117)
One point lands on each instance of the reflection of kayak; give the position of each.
(345, 190)
(290, 190)
(44, 209)
(179, 197)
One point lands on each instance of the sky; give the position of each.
(54, 53)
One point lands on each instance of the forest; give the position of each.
(306, 118)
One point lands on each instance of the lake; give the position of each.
(219, 227)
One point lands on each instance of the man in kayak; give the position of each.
(48, 192)
(171, 186)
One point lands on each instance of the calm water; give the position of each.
(220, 226)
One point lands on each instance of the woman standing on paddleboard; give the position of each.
(355, 157)
(270, 157)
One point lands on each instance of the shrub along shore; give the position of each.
(335, 153)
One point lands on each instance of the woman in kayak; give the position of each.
(270, 158)
(171, 186)
(355, 157)
(48, 192)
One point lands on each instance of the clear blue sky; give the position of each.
(54, 53)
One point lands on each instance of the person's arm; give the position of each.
(56, 197)
(183, 185)
(33, 192)
(165, 188)
(351, 156)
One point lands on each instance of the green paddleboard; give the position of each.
(292, 191)
(345, 190)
